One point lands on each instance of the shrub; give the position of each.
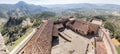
(100, 17)
(46, 14)
(110, 26)
(118, 39)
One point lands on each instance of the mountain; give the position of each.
(23, 9)
(84, 5)
(20, 9)
(85, 9)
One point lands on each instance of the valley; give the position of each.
(76, 28)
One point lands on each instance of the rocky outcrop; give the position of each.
(3, 49)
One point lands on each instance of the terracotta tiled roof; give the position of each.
(83, 27)
(40, 43)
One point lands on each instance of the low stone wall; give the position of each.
(107, 42)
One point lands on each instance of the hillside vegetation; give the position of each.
(20, 9)
(15, 28)
(12, 30)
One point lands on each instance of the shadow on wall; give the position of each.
(55, 41)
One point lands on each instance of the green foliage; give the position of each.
(6, 39)
(46, 14)
(15, 43)
(2, 15)
(100, 17)
(117, 35)
(112, 29)
(37, 22)
(119, 39)
(78, 15)
(110, 26)
(13, 29)
(4, 31)
(118, 49)
(14, 21)
(14, 33)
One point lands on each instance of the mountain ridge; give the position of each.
(23, 9)
(19, 9)
(80, 5)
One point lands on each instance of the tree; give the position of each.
(2, 15)
(100, 17)
(111, 27)
(46, 14)
(78, 15)
(12, 30)
(37, 22)
(14, 21)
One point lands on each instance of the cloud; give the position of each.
(39, 2)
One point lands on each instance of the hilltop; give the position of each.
(19, 9)
(23, 9)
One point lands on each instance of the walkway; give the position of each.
(108, 42)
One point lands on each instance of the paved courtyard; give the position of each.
(78, 44)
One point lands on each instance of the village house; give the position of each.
(97, 21)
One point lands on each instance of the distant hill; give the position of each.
(23, 9)
(85, 9)
(84, 5)
(19, 9)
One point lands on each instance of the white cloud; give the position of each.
(39, 2)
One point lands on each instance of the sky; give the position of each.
(47, 2)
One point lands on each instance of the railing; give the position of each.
(106, 36)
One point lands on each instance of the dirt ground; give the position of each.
(116, 42)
